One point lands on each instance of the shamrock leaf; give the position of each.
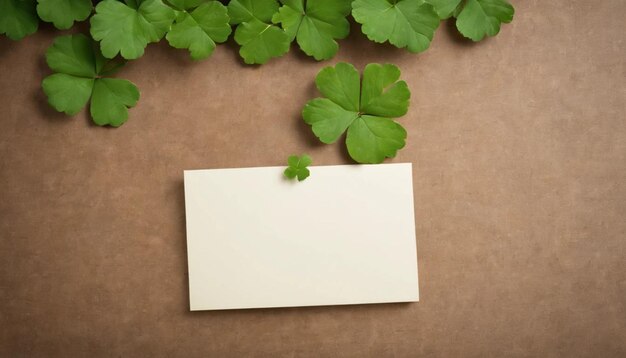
(364, 110)
(18, 18)
(63, 13)
(259, 39)
(404, 23)
(128, 28)
(476, 19)
(315, 24)
(483, 17)
(79, 66)
(445, 8)
(298, 167)
(198, 28)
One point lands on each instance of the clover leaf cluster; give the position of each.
(264, 29)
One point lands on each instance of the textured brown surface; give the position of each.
(519, 152)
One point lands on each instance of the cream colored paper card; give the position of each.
(345, 235)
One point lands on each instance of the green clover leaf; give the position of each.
(298, 167)
(79, 66)
(185, 4)
(259, 39)
(404, 23)
(476, 19)
(199, 26)
(18, 18)
(483, 17)
(364, 110)
(63, 13)
(315, 24)
(127, 28)
(445, 8)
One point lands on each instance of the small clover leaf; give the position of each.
(364, 110)
(315, 24)
(404, 23)
(79, 66)
(18, 18)
(476, 19)
(199, 26)
(63, 13)
(298, 167)
(259, 39)
(127, 28)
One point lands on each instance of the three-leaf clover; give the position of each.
(364, 108)
(315, 24)
(259, 39)
(79, 66)
(199, 26)
(476, 19)
(298, 167)
(404, 23)
(63, 13)
(18, 18)
(127, 28)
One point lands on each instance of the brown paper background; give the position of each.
(519, 152)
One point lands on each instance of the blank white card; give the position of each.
(345, 235)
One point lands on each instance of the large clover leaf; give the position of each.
(259, 39)
(80, 67)
(404, 23)
(18, 18)
(63, 13)
(315, 24)
(364, 110)
(476, 19)
(199, 26)
(127, 28)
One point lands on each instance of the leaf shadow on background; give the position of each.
(294, 49)
(180, 57)
(41, 101)
(342, 149)
(302, 129)
(233, 47)
(357, 44)
(6, 44)
(453, 34)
